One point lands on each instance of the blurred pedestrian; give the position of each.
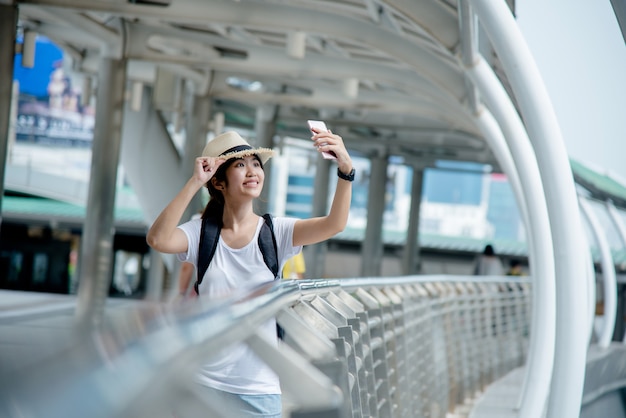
(515, 268)
(295, 267)
(488, 263)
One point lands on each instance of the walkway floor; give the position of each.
(497, 400)
(34, 326)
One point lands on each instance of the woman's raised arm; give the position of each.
(163, 235)
(314, 230)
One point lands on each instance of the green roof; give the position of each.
(442, 242)
(601, 186)
(49, 208)
(40, 206)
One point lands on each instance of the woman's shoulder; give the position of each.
(283, 221)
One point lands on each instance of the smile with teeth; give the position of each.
(251, 183)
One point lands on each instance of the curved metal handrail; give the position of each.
(130, 367)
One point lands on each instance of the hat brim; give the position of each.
(264, 154)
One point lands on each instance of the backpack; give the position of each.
(210, 236)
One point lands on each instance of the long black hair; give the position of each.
(215, 207)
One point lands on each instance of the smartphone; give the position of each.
(321, 126)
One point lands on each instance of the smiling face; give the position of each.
(244, 179)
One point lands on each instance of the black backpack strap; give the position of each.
(267, 244)
(269, 249)
(209, 237)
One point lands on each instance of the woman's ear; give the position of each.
(218, 185)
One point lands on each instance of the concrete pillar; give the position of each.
(199, 109)
(372, 249)
(96, 254)
(411, 259)
(8, 28)
(265, 129)
(315, 256)
(156, 277)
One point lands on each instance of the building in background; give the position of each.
(50, 106)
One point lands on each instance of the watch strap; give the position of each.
(347, 177)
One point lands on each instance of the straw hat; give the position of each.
(231, 145)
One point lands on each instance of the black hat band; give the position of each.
(236, 149)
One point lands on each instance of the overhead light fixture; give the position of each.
(244, 84)
(217, 124)
(351, 87)
(296, 44)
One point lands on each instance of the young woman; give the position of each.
(233, 173)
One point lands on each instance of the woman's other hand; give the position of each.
(205, 168)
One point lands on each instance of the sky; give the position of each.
(580, 52)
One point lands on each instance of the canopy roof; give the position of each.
(386, 75)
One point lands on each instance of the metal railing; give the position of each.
(415, 346)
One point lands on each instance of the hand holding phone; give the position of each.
(321, 126)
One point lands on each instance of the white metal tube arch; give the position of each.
(483, 117)
(591, 291)
(541, 352)
(540, 359)
(621, 229)
(591, 288)
(541, 124)
(617, 221)
(608, 273)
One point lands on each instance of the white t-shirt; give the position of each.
(238, 369)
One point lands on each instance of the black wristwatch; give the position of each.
(347, 177)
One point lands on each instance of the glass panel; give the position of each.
(40, 268)
(11, 266)
(127, 273)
